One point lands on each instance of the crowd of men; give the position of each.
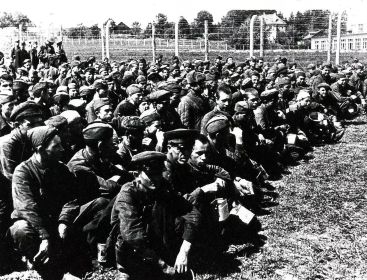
(156, 160)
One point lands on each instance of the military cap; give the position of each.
(50, 40)
(20, 85)
(58, 122)
(39, 88)
(76, 57)
(97, 131)
(90, 70)
(41, 135)
(71, 116)
(141, 79)
(186, 63)
(86, 91)
(235, 76)
(61, 97)
(147, 157)
(209, 77)
(347, 71)
(174, 67)
(225, 74)
(72, 86)
(170, 86)
(98, 103)
(132, 123)
(100, 84)
(77, 104)
(181, 135)
(283, 81)
(316, 116)
(326, 65)
(255, 73)
(149, 116)
(195, 77)
(6, 98)
(103, 68)
(26, 109)
(301, 74)
(152, 74)
(217, 124)
(269, 94)
(132, 89)
(159, 95)
(241, 107)
(61, 89)
(282, 70)
(74, 63)
(324, 85)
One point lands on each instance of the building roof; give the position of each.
(273, 19)
(312, 34)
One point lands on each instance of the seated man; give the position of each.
(44, 204)
(155, 223)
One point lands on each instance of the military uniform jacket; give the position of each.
(44, 197)
(146, 216)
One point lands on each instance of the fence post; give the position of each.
(153, 42)
(329, 38)
(338, 35)
(206, 40)
(108, 25)
(262, 36)
(252, 21)
(20, 31)
(176, 38)
(102, 41)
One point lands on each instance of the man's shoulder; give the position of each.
(78, 162)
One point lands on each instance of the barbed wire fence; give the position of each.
(239, 39)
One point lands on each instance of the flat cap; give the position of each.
(57, 121)
(148, 156)
(159, 95)
(41, 135)
(98, 131)
(86, 91)
(98, 103)
(283, 81)
(311, 66)
(217, 124)
(170, 86)
(132, 89)
(39, 88)
(63, 89)
(181, 135)
(282, 70)
(141, 79)
(77, 104)
(61, 97)
(132, 123)
(71, 116)
(195, 77)
(252, 91)
(20, 85)
(324, 85)
(301, 74)
(269, 94)
(149, 116)
(89, 70)
(26, 109)
(241, 107)
(74, 63)
(100, 84)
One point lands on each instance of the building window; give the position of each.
(342, 44)
(358, 44)
(350, 44)
(334, 44)
(364, 43)
(360, 28)
(316, 45)
(323, 45)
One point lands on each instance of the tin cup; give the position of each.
(101, 253)
(223, 211)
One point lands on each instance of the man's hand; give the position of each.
(244, 187)
(63, 229)
(182, 257)
(42, 257)
(160, 137)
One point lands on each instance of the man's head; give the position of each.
(196, 80)
(200, 151)
(179, 144)
(75, 67)
(303, 98)
(223, 97)
(160, 99)
(103, 109)
(134, 92)
(75, 122)
(6, 85)
(101, 88)
(342, 79)
(150, 164)
(323, 89)
(7, 103)
(47, 143)
(98, 139)
(252, 97)
(218, 131)
(325, 69)
(27, 115)
(133, 129)
(300, 78)
(152, 121)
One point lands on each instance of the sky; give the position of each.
(72, 12)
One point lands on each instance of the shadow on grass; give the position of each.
(355, 122)
(247, 241)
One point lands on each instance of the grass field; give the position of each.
(318, 230)
(118, 52)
